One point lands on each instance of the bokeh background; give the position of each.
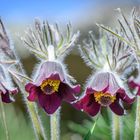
(83, 14)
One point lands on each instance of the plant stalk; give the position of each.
(137, 122)
(33, 113)
(4, 120)
(116, 127)
(55, 125)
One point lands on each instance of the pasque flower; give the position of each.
(51, 87)
(6, 90)
(104, 91)
(6, 93)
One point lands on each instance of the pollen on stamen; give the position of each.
(104, 99)
(50, 86)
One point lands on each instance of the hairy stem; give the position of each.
(55, 128)
(54, 118)
(116, 127)
(34, 116)
(4, 120)
(137, 123)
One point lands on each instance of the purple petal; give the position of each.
(91, 107)
(50, 103)
(100, 81)
(67, 92)
(133, 85)
(47, 69)
(79, 104)
(116, 108)
(54, 76)
(105, 82)
(88, 104)
(34, 91)
(90, 90)
(29, 86)
(14, 91)
(6, 97)
(113, 85)
(122, 94)
(77, 89)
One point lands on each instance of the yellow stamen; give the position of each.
(53, 83)
(100, 95)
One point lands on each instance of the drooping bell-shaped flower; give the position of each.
(5, 89)
(6, 93)
(51, 87)
(104, 91)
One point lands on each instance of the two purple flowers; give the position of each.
(51, 87)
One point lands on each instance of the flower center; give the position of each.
(104, 99)
(50, 86)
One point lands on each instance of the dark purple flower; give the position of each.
(7, 92)
(103, 90)
(5, 88)
(51, 87)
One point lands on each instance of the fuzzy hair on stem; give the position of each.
(4, 120)
(116, 127)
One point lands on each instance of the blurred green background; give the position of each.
(83, 14)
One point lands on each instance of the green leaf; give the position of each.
(90, 132)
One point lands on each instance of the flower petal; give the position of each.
(122, 94)
(77, 89)
(14, 91)
(132, 84)
(90, 90)
(34, 91)
(100, 81)
(49, 103)
(113, 86)
(29, 86)
(47, 69)
(6, 97)
(54, 76)
(88, 104)
(91, 107)
(67, 92)
(116, 108)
